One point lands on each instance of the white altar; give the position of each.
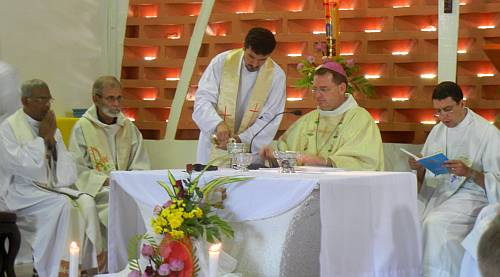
(303, 224)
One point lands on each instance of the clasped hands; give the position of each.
(47, 129)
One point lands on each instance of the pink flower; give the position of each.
(157, 209)
(134, 273)
(147, 250)
(349, 63)
(176, 265)
(164, 270)
(165, 250)
(320, 47)
(310, 59)
(167, 204)
(300, 66)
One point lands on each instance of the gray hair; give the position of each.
(488, 251)
(105, 82)
(28, 86)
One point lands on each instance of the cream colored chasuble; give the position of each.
(101, 155)
(229, 88)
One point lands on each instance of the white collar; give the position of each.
(348, 104)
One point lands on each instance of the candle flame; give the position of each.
(215, 247)
(73, 245)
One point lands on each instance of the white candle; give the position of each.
(213, 259)
(74, 253)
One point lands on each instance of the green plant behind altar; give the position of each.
(356, 81)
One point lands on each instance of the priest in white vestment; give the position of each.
(103, 140)
(339, 133)
(240, 92)
(39, 170)
(451, 202)
(470, 267)
(9, 91)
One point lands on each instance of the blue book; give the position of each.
(434, 162)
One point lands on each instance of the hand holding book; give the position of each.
(457, 167)
(434, 163)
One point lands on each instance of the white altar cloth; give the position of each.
(369, 222)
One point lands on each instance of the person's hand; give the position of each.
(457, 167)
(48, 128)
(222, 134)
(308, 159)
(414, 165)
(266, 153)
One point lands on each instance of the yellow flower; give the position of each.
(175, 220)
(188, 215)
(198, 212)
(177, 234)
(157, 229)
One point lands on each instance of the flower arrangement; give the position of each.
(355, 82)
(188, 214)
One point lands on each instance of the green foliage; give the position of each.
(133, 247)
(356, 82)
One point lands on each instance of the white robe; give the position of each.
(47, 220)
(206, 117)
(451, 203)
(10, 95)
(469, 266)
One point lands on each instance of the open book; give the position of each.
(433, 162)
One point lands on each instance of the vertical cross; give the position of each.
(254, 110)
(224, 114)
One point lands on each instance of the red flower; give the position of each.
(189, 168)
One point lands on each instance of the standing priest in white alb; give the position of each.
(38, 169)
(239, 93)
(451, 202)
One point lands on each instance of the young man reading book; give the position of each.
(452, 201)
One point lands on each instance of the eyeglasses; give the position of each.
(321, 90)
(445, 111)
(42, 99)
(111, 98)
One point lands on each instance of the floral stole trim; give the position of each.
(99, 149)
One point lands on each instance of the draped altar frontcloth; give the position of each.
(369, 222)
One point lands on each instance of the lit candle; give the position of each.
(74, 253)
(213, 259)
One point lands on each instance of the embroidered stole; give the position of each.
(228, 94)
(99, 149)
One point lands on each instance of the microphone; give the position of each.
(295, 112)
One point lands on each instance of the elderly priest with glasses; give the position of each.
(451, 202)
(37, 170)
(339, 133)
(104, 140)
